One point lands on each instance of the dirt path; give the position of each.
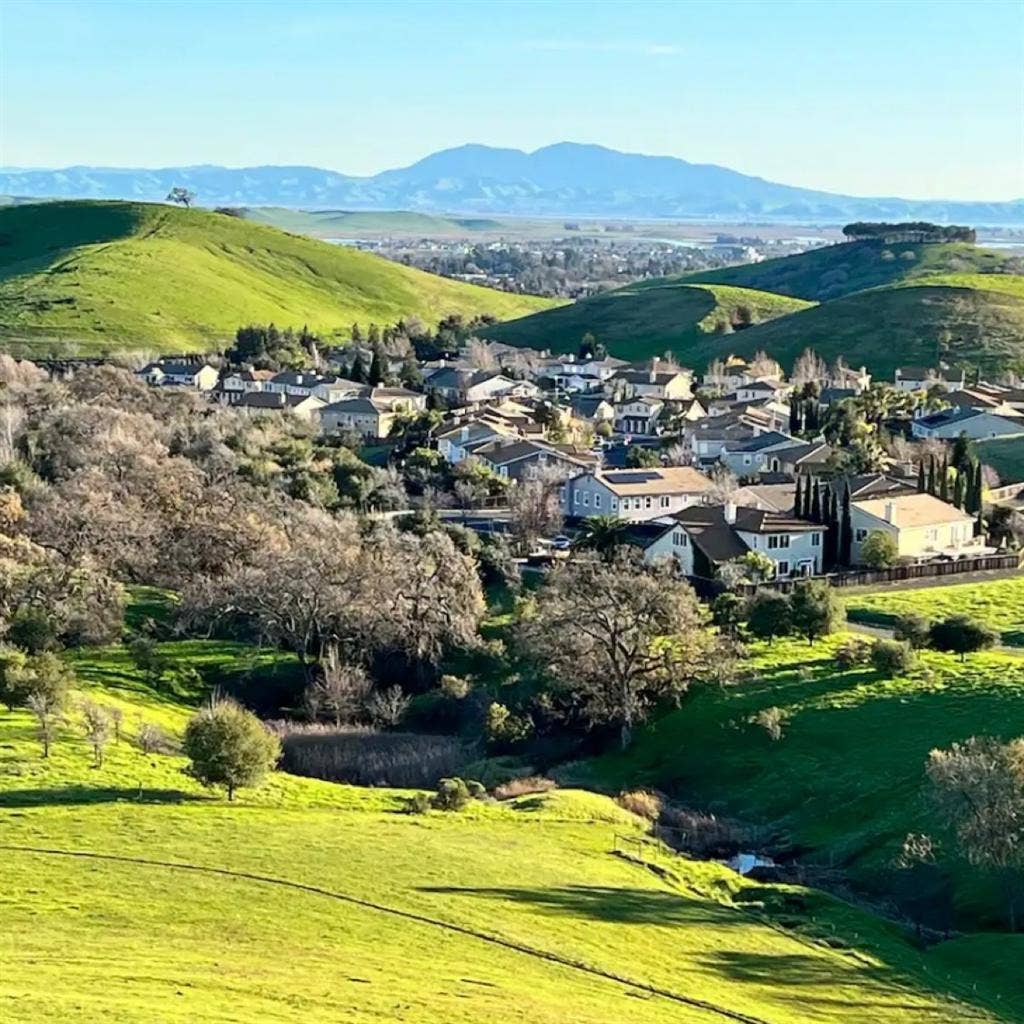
(888, 633)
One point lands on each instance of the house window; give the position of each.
(860, 535)
(597, 501)
(746, 460)
(933, 535)
(679, 539)
(648, 502)
(575, 497)
(815, 540)
(586, 499)
(665, 501)
(783, 568)
(614, 504)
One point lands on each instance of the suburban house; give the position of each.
(923, 526)
(594, 408)
(752, 455)
(847, 378)
(372, 414)
(634, 494)
(976, 424)
(524, 460)
(924, 378)
(293, 382)
(458, 442)
(638, 416)
(266, 403)
(995, 398)
(198, 376)
(583, 375)
(666, 385)
(704, 537)
(241, 382)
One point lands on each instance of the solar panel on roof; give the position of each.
(632, 478)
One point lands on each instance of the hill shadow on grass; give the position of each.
(605, 903)
(80, 795)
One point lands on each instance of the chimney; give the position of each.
(654, 370)
(729, 512)
(890, 512)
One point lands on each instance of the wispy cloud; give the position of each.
(585, 46)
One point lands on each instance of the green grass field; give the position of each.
(647, 319)
(92, 277)
(131, 895)
(997, 603)
(845, 782)
(837, 270)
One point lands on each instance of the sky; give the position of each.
(914, 99)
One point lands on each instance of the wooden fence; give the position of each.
(709, 588)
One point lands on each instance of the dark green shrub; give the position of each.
(477, 790)
(892, 657)
(960, 634)
(912, 628)
(451, 795)
(852, 653)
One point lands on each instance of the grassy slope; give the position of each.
(892, 327)
(1006, 457)
(999, 604)
(95, 939)
(110, 275)
(845, 781)
(646, 319)
(346, 223)
(837, 270)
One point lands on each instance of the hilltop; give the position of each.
(879, 305)
(134, 275)
(837, 270)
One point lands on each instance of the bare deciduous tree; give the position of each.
(96, 725)
(48, 710)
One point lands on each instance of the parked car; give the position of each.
(561, 542)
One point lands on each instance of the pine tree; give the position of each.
(798, 500)
(357, 334)
(816, 515)
(846, 531)
(358, 371)
(376, 375)
(944, 480)
(921, 486)
(412, 376)
(373, 336)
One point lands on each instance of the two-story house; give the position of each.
(975, 423)
(924, 378)
(166, 373)
(665, 385)
(638, 416)
(923, 527)
(634, 494)
(702, 538)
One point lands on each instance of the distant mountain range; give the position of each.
(563, 180)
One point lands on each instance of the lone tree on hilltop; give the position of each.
(182, 196)
(229, 746)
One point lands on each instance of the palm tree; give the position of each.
(603, 534)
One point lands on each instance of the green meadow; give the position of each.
(132, 895)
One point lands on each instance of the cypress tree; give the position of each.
(816, 515)
(376, 374)
(920, 477)
(831, 532)
(798, 500)
(358, 371)
(931, 474)
(846, 531)
(794, 416)
(944, 479)
(959, 497)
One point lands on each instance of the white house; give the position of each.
(457, 442)
(638, 416)
(923, 526)
(199, 376)
(667, 385)
(268, 403)
(924, 378)
(634, 494)
(975, 423)
(704, 537)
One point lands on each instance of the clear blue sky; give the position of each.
(918, 99)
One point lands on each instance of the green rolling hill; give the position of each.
(347, 223)
(865, 302)
(838, 270)
(103, 276)
(648, 318)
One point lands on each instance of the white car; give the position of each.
(561, 542)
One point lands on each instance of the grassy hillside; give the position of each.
(352, 223)
(132, 275)
(890, 327)
(838, 270)
(646, 319)
(130, 895)
(1006, 457)
(845, 781)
